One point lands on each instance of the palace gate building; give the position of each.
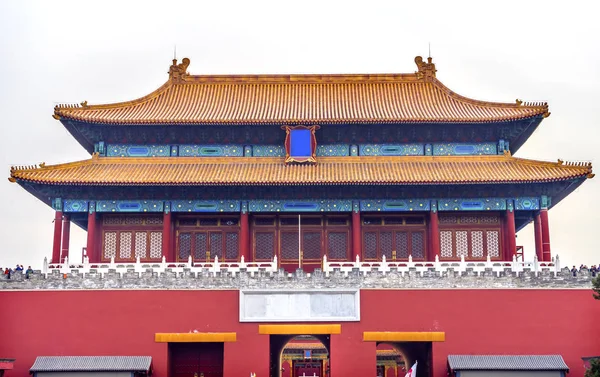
(252, 216)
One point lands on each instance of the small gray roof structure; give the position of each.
(92, 364)
(507, 362)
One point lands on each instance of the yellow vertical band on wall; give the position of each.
(199, 337)
(398, 336)
(299, 329)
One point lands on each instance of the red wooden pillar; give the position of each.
(166, 235)
(57, 236)
(537, 228)
(511, 235)
(244, 234)
(91, 235)
(356, 244)
(546, 253)
(66, 233)
(434, 231)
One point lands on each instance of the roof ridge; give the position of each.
(178, 76)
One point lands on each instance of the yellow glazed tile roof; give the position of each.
(301, 99)
(219, 171)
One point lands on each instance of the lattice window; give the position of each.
(289, 246)
(200, 246)
(154, 220)
(125, 245)
(385, 244)
(110, 245)
(141, 245)
(112, 220)
(477, 244)
(188, 222)
(337, 245)
(468, 219)
(446, 244)
(216, 245)
(462, 243)
(370, 245)
(489, 220)
(311, 245)
(448, 219)
(133, 220)
(493, 243)
(155, 245)
(401, 245)
(231, 245)
(418, 245)
(185, 245)
(264, 245)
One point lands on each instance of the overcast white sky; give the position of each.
(107, 51)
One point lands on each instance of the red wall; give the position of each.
(46, 323)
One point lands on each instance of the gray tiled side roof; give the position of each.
(507, 362)
(91, 364)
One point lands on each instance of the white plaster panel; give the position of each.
(299, 306)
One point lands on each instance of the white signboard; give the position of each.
(322, 305)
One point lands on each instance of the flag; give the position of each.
(412, 372)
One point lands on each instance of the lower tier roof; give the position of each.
(219, 171)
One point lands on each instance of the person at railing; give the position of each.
(574, 271)
(29, 272)
(7, 272)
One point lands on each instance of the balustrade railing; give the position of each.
(365, 267)
(384, 266)
(211, 267)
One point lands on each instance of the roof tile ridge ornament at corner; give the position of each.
(425, 71)
(178, 72)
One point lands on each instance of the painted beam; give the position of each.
(200, 337)
(397, 336)
(300, 329)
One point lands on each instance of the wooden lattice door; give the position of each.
(308, 368)
(196, 359)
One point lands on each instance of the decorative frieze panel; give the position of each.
(75, 205)
(193, 150)
(300, 206)
(476, 204)
(127, 150)
(129, 206)
(391, 149)
(395, 205)
(527, 204)
(205, 206)
(460, 149)
(329, 150)
(268, 151)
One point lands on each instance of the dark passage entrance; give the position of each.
(195, 359)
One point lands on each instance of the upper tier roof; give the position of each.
(223, 171)
(301, 99)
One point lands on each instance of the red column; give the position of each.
(434, 234)
(91, 236)
(537, 228)
(66, 233)
(244, 237)
(546, 253)
(57, 236)
(356, 244)
(511, 235)
(166, 237)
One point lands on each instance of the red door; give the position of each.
(196, 359)
(308, 368)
